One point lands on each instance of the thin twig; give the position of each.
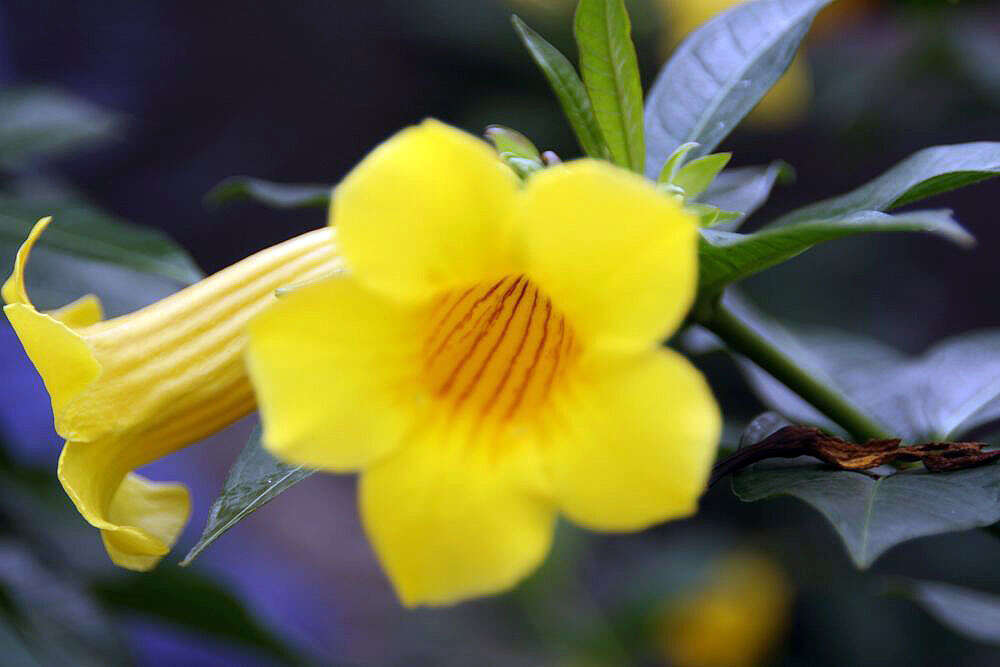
(793, 441)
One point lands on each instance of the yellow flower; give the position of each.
(130, 390)
(733, 620)
(490, 358)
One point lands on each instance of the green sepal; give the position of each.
(512, 142)
(698, 174)
(709, 216)
(674, 162)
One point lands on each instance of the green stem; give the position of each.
(741, 338)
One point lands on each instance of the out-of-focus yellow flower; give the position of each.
(785, 103)
(491, 357)
(734, 619)
(130, 390)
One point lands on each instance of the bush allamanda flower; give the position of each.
(490, 358)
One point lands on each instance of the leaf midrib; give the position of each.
(620, 86)
(616, 74)
(866, 525)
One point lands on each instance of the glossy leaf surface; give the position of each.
(255, 479)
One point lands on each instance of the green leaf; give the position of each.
(923, 174)
(720, 72)
(942, 394)
(674, 162)
(275, 195)
(611, 73)
(85, 231)
(87, 250)
(873, 515)
(569, 90)
(512, 142)
(728, 257)
(722, 218)
(695, 177)
(255, 479)
(707, 215)
(191, 601)
(970, 613)
(744, 189)
(37, 122)
(710, 216)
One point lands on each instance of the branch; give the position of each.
(792, 441)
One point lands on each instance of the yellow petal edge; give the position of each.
(63, 359)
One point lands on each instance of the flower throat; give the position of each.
(498, 348)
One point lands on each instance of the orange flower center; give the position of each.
(497, 348)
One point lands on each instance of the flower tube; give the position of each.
(132, 389)
(491, 358)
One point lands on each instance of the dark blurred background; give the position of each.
(299, 92)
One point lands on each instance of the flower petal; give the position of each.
(331, 364)
(13, 290)
(428, 210)
(83, 312)
(452, 518)
(139, 520)
(62, 357)
(635, 443)
(159, 510)
(618, 258)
